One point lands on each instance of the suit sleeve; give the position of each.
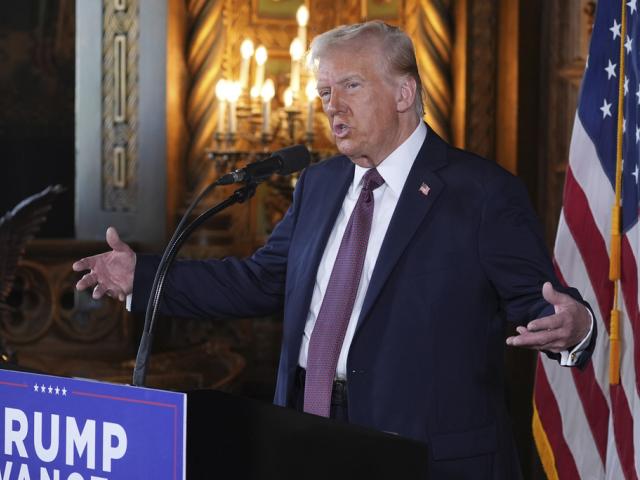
(514, 255)
(229, 287)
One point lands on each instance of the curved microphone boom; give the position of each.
(283, 162)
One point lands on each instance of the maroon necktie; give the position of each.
(328, 333)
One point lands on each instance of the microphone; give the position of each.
(283, 162)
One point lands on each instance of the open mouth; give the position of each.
(340, 130)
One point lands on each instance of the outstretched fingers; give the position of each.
(110, 273)
(99, 291)
(88, 280)
(86, 263)
(551, 339)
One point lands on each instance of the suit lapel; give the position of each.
(319, 220)
(327, 204)
(412, 208)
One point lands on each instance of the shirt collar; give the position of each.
(395, 168)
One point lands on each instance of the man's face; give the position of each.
(360, 99)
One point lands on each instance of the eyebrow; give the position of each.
(343, 80)
(354, 76)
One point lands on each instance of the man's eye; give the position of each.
(324, 94)
(352, 84)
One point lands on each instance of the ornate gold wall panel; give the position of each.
(428, 22)
(206, 45)
(565, 49)
(177, 128)
(29, 313)
(119, 104)
(45, 309)
(481, 77)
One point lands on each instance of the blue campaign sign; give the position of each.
(58, 428)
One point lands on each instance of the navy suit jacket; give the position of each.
(427, 357)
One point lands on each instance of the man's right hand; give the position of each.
(111, 272)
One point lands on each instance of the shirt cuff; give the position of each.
(571, 358)
(130, 298)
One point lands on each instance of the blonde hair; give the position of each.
(399, 54)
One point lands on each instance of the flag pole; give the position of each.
(614, 261)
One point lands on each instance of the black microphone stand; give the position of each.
(177, 240)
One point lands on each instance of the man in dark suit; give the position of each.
(397, 265)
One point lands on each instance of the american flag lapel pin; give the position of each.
(424, 189)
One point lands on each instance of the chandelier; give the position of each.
(248, 125)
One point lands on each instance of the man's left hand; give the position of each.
(564, 330)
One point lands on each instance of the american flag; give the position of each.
(584, 426)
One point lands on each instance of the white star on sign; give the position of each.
(615, 29)
(626, 84)
(638, 94)
(57, 390)
(637, 134)
(36, 387)
(50, 389)
(42, 388)
(64, 392)
(632, 5)
(611, 70)
(627, 45)
(605, 109)
(624, 125)
(635, 173)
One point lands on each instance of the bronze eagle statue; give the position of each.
(17, 227)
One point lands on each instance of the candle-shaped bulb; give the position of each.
(254, 92)
(302, 15)
(261, 55)
(296, 50)
(268, 90)
(288, 98)
(261, 58)
(221, 95)
(267, 93)
(246, 51)
(246, 48)
(310, 90)
(221, 90)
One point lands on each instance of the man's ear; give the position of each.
(406, 93)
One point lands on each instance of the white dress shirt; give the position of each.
(394, 170)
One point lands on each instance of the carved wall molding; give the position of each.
(207, 61)
(45, 306)
(120, 104)
(29, 312)
(429, 24)
(565, 48)
(481, 77)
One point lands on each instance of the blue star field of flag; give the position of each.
(598, 105)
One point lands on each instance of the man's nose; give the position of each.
(334, 104)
